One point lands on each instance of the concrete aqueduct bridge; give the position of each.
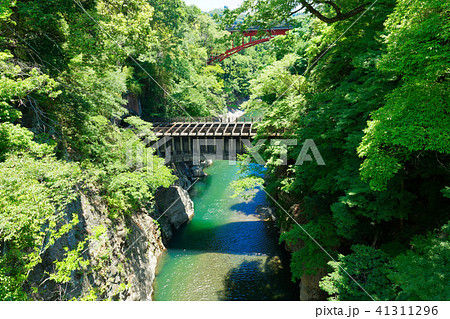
(193, 139)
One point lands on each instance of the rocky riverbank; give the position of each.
(118, 255)
(309, 284)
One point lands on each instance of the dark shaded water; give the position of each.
(227, 252)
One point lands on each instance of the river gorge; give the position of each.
(228, 251)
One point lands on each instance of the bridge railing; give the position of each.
(210, 119)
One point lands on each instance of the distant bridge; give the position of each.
(268, 35)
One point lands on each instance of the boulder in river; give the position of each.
(266, 212)
(175, 208)
(197, 171)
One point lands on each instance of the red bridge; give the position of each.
(267, 36)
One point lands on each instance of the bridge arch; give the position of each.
(269, 35)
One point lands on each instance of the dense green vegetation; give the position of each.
(370, 88)
(65, 70)
(373, 92)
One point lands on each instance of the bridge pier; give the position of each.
(174, 150)
(181, 143)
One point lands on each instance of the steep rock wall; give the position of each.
(122, 256)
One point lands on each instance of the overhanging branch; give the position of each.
(339, 15)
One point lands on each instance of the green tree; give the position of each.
(61, 93)
(405, 127)
(310, 258)
(369, 267)
(422, 273)
(270, 13)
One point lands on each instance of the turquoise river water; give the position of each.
(227, 251)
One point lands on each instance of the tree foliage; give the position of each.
(368, 267)
(367, 82)
(428, 258)
(270, 13)
(407, 124)
(372, 91)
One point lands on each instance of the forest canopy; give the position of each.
(372, 91)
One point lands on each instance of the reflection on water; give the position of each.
(227, 252)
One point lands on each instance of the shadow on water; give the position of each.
(249, 207)
(259, 281)
(238, 238)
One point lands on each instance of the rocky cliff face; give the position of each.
(173, 205)
(309, 287)
(122, 255)
(175, 208)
